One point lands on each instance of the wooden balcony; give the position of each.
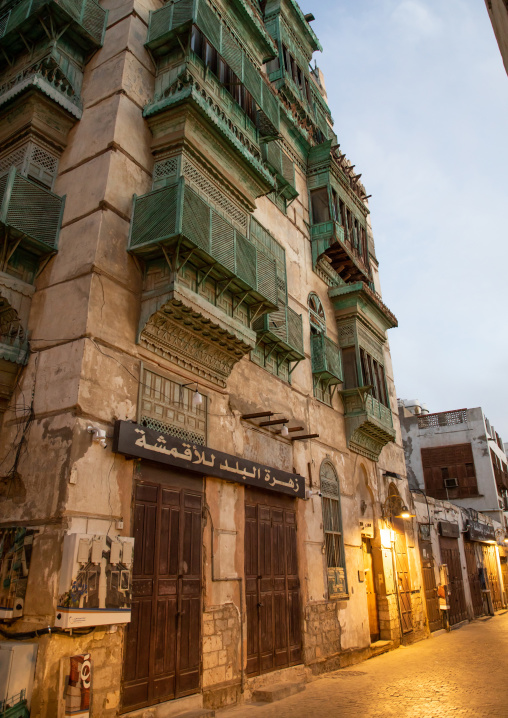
(282, 330)
(170, 22)
(501, 478)
(176, 223)
(31, 215)
(369, 424)
(280, 163)
(360, 299)
(84, 21)
(328, 238)
(326, 360)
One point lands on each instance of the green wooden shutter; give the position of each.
(209, 24)
(232, 53)
(196, 220)
(223, 242)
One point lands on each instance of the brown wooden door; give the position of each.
(272, 584)
(163, 644)
(429, 585)
(451, 557)
(473, 576)
(370, 588)
(403, 577)
(490, 563)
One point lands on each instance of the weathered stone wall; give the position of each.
(321, 631)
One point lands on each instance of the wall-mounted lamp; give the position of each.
(284, 431)
(197, 398)
(405, 513)
(98, 436)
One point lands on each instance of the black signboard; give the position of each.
(140, 441)
(449, 529)
(477, 531)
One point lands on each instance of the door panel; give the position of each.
(272, 584)
(451, 557)
(429, 585)
(163, 644)
(372, 607)
(490, 563)
(403, 578)
(473, 576)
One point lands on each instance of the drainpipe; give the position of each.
(240, 612)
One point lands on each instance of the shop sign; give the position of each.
(337, 583)
(140, 441)
(448, 529)
(476, 531)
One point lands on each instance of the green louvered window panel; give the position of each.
(232, 53)
(209, 23)
(223, 242)
(277, 323)
(87, 13)
(182, 12)
(326, 361)
(295, 329)
(160, 22)
(246, 264)
(196, 219)
(264, 240)
(29, 209)
(270, 105)
(156, 215)
(252, 80)
(267, 283)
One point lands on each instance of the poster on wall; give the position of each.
(336, 583)
(77, 686)
(15, 556)
(95, 581)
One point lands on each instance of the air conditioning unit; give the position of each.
(451, 483)
(95, 581)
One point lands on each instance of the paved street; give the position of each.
(462, 674)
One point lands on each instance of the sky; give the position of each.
(419, 96)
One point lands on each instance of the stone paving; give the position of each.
(463, 674)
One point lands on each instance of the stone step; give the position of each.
(379, 647)
(203, 713)
(270, 694)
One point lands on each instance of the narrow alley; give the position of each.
(462, 673)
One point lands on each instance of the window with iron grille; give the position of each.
(332, 527)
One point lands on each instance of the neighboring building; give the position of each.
(463, 553)
(498, 13)
(456, 456)
(207, 368)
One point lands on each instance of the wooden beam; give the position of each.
(274, 422)
(258, 415)
(294, 428)
(305, 436)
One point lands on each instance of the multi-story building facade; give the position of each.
(498, 13)
(194, 357)
(456, 456)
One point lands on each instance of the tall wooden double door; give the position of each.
(272, 586)
(490, 563)
(163, 645)
(451, 557)
(403, 576)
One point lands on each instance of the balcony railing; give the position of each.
(30, 214)
(329, 238)
(84, 19)
(177, 219)
(443, 418)
(283, 330)
(175, 19)
(326, 359)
